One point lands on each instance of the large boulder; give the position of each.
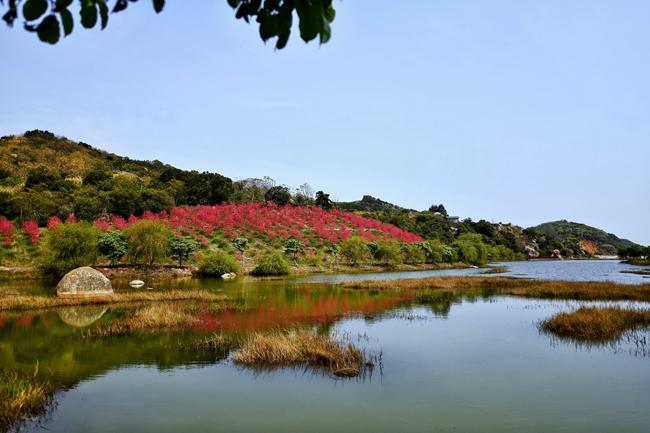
(84, 281)
(531, 252)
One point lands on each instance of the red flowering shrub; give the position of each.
(6, 230)
(53, 222)
(32, 231)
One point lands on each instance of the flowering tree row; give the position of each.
(252, 220)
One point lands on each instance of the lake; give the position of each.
(463, 364)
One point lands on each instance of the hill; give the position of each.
(592, 240)
(369, 203)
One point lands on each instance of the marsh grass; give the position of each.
(30, 302)
(541, 289)
(168, 316)
(21, 397)
(213, 343)
(281, 348)
(596, 324)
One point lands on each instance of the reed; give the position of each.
(21, 397)
(542, 289)
(279, 348)
(30, 302)
(212, 343)
(596, 324)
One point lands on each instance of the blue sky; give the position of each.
(520, 111)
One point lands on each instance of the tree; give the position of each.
(182, 247)
(293, 247)
(49, 19)
(279, 195)
(323, 200)
(438, 208)
(271, 264)
(240, 244)
(97, 176)
(217, 264)
(148, 240)
(112, 245)
(354, 250)
(68, 246)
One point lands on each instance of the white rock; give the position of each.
(229, 276)
(136, 284)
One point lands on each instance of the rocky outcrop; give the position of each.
(531, 252)
(84, 281)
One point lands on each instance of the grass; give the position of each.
(279, 348)
(21, 396)
(211, 343)
(541, 289)
(30, 302)
(169, 316)
(596, 324)
(496, 270)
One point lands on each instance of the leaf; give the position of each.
(120, 5)
(34, 9)
(67, 21)
(234, 3)
(158, 5)
(62, 4)
(88, 15)
(311, 18)
(48, 30)
(103, 13)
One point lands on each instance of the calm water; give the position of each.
(470, 365)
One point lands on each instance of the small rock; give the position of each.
(229, 276)
(136, 284)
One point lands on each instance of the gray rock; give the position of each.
(531, 252)
(229, 276)
(84, 281)
(557, 254)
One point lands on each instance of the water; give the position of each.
(470, 365)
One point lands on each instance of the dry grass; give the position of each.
(169, 316)
(212, 343)
(21, 397)
(295, 348)
(28, 302)
(542, 289)
(596, 324)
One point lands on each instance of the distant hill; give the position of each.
(369, 204)
(591, 239)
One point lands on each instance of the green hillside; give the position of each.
(566, 231)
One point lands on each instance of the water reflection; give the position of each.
(80, 317)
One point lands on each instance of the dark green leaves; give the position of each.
(34, 9)
(158, 5)
(48, 30)
(67, 21)
(88, 14)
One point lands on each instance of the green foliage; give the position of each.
(240, 244)
(355, 250)
(217, 264)
(68, 246)
(413, 253)
(112, 245)
(634, 252)
(440, 208)
(293, 247)
(148, 241)
(279, 195)
(323, 200)
(388, 252)
(471, 248)
(97, 176)
(500, 253)
(275, 18)
(182, 247)
(271, 264)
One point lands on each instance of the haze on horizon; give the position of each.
(520, 112)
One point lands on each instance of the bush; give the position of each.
(355, 250)
(68, 246)
(271, 264)
(388, 252)
(181, 248)
(112, 245)
(217, 264)
(413, 253)
(148, 240)
(471, 248)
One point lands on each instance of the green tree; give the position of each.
(50, 20)
(182, 247)
(112, 245)
(148, 241)
(323, 200)
(271, 264)
(279, 195)
(355, 249)
(68, 246)
(388, 251)
(293, 247)
(217, 264)
(471, 248)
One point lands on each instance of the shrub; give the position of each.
(69, 246)
(413, 253)
(293, 247)
(148, 240)
(354, 250)
(471, 248)
(181, 248)
(218, 264)
(388, 252)
(112, 245)
(271, 264)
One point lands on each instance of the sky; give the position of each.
(512, 111)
